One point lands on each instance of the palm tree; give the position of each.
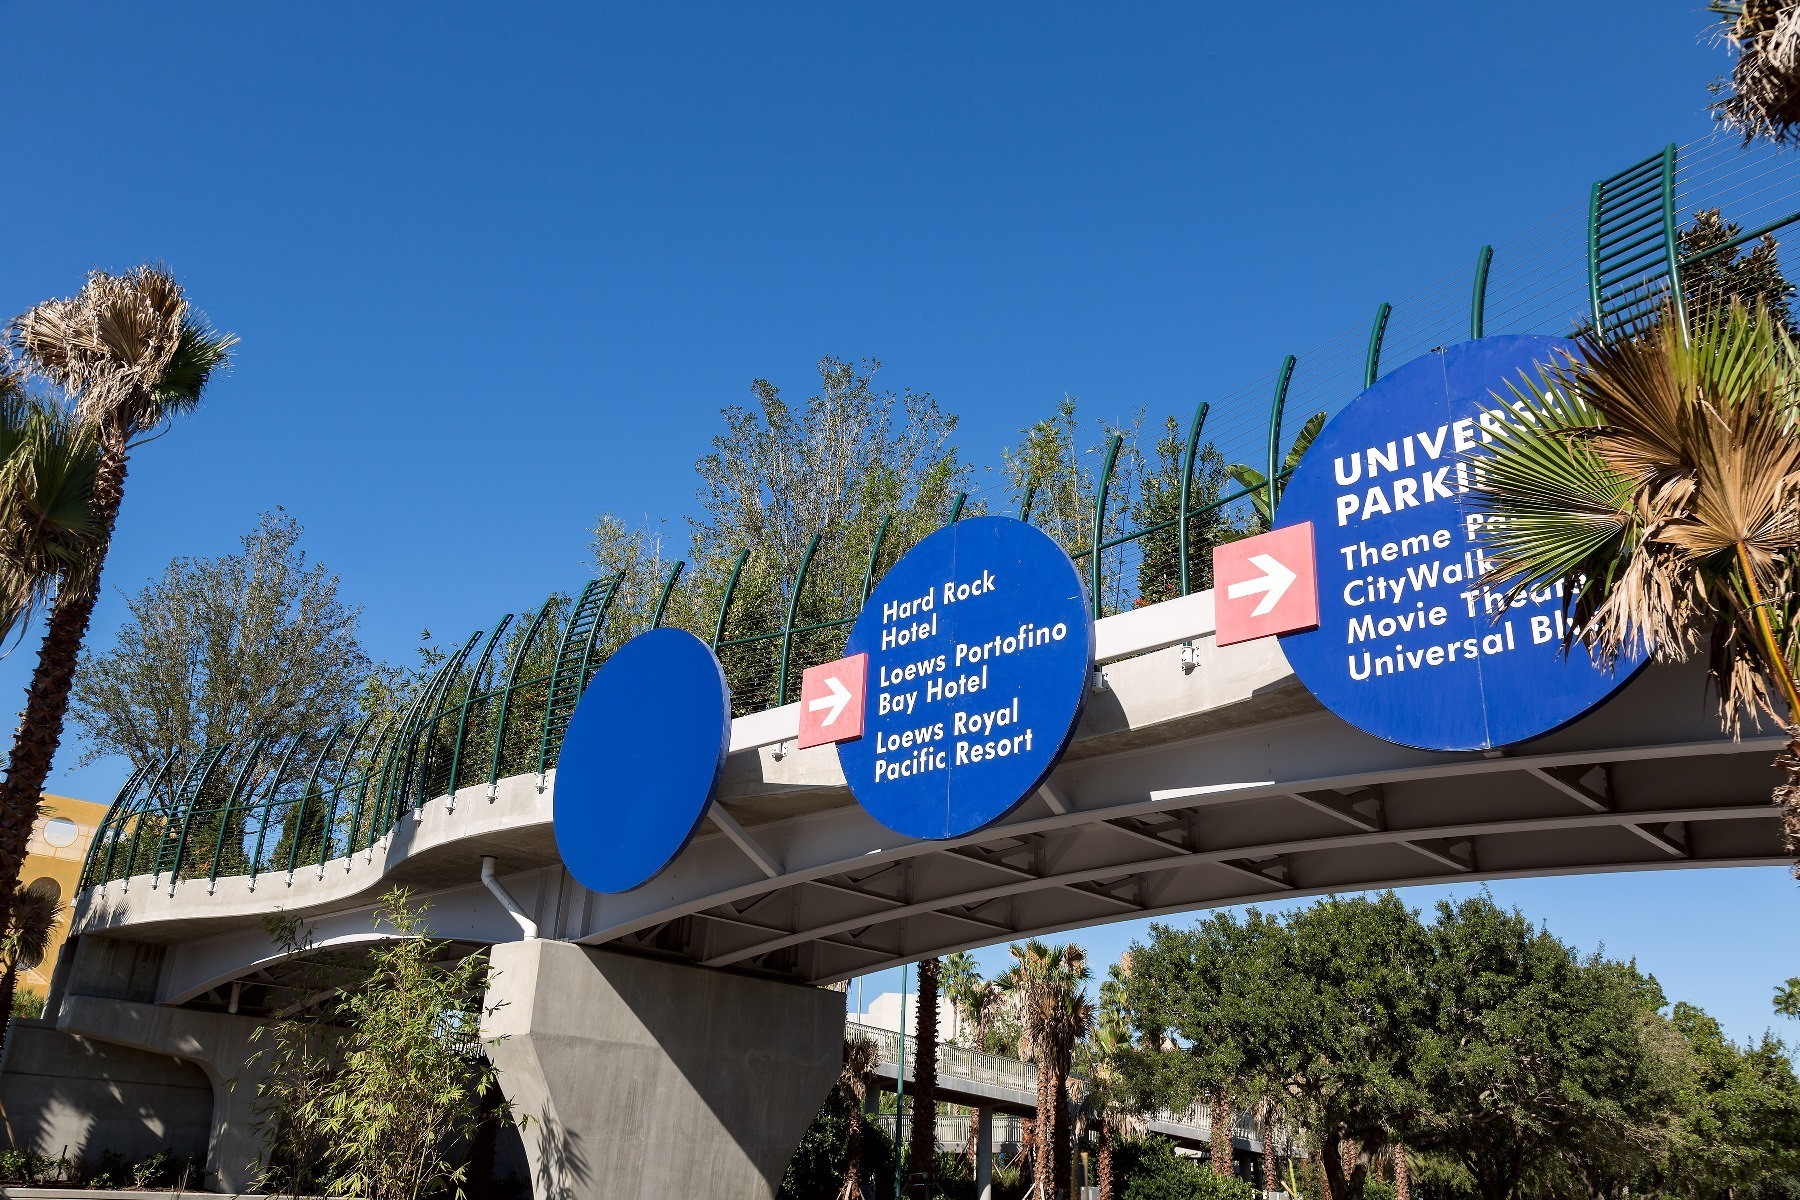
(1109, 1108)
(1258, 483)
(1787, 998)
(1764, 98)
(860, 1057)
(24, 944)
(132, 355)
(1054, 1014)
(1662, 472)
(921, 1142)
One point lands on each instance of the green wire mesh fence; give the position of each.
(497, 707)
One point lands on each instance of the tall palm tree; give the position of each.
(1054, 1014)
(1764, 96)
(1787, 998)
(48, 542)
(132, 355)
(1662, 475)
(860, 1057)
(24, 944)
(921, 1142)
(1113, 1112)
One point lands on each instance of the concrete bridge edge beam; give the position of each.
(638, 1079)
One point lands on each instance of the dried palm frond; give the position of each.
(1764, 95)
(127, 348)
(1658, 479)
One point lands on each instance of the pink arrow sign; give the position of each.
(831, 701)
(1265, 585)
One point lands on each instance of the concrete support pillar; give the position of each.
(218, 1043)
(984, 1154)
(645, 1080)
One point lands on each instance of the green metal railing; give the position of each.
(499, 705)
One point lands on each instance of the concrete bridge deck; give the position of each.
(1199, 776)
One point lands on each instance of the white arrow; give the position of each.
(840, 696)
(1273, 583)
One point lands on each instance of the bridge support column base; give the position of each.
(218, 1043)
(645, 1080)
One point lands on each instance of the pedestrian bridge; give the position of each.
(1199, 776)
(1008, 1086)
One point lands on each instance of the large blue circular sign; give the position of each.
(1410, 646)
(980, 647)
(641, 757)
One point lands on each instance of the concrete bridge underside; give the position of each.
(1200, 776)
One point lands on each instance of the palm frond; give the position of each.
(1657, 479)
(50, 536)
(30, 927)
(127, 348)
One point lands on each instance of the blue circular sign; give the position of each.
(641, 757)
(980, 647)
(1410, 646)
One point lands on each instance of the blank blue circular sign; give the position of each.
(980, 646)
(640, 760)
(1410, 646)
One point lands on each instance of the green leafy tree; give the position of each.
(132, 355)
(1748, 277)
(1153, 1171)
(1343, 1032)
(821, 1168)
(1055, 480)
(1159, 567)
(1211, 991)
(1787, 997)
(1740, 1116)
(224, 650)
(848, 459)
(296, 1063)
(1532, 1053)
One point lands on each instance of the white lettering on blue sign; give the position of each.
(1411, 645)
(980, 645)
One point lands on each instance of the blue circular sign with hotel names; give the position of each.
(640, 760)
(1410, 646)
(980, 649)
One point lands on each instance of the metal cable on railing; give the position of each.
(497, 707)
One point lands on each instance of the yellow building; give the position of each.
(59, 844)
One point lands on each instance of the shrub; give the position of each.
(21, 1166)
(27, 1005)
(1150, 1169)
(816, 1172)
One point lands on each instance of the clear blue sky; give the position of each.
(496, 268)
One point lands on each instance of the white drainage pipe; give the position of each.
(526, 924)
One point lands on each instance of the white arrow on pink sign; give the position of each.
(1265, 585)
(831, 701)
